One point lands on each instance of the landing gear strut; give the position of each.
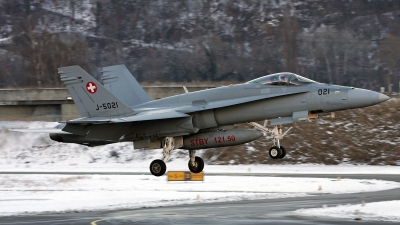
(277, 151)
(158, 167)
(169, 145)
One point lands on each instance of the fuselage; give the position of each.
(197, 120)
(313, 98)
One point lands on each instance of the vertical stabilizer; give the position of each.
(121, 83)
(90, 97)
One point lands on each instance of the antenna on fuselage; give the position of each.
(185, 89)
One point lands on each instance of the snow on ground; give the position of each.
(27, 152)
(25, 194)
(376, 211)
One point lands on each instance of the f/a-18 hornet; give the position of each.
(121, 111)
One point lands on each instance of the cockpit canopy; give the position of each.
(287, 79)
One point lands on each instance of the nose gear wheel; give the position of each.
(283, 152)
(275, 152)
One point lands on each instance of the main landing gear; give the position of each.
(196, 164)
(158, 166)
(277, 151)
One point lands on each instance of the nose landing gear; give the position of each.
(277, 151)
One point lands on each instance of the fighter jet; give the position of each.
(121, 111)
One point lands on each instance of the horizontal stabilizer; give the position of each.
(112, 132)
(41, 130)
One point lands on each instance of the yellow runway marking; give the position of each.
(95, 222)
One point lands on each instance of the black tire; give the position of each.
(158, 167)
(283, 152)
(275, 152)
(199, 165)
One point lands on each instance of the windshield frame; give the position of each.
(282, 79)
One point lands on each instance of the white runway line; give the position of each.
(375, 211)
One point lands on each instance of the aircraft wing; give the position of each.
(41, 130)
(113, 128)
(203, 105)
(143, 116)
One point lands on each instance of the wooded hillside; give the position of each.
(346, 42)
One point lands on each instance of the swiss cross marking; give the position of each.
(91, 87)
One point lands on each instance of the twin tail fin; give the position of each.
(91, 98)
(121, 83)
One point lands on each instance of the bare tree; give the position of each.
(389, 56)
(289, 37)
(337, 51)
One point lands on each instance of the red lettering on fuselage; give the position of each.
(199, 141)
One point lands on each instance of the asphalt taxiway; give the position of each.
(269, 211)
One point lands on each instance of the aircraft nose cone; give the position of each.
(362, 98)
(383, 98)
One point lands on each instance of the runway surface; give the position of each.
(270, 211)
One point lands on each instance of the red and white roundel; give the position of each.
(91, 87)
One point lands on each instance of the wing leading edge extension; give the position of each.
(231, 102)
